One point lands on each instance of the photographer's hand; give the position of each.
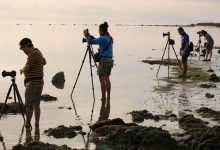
(183, 52)
(21, 71)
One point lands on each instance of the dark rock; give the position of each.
(47, 98)
(58, 80)
(219, 51)
(117, 121)
(63, 132)
(172, 62)
(208, 95)
(210, 70)
(209, 113)
(197, 76)
(60, 107)
(133, 137)
(69, 108)
(200, 136)
(204, 139)
(13, 108)
(189, 122)
(214, 78)
(139, 116)
(40, 146)
(207, 86)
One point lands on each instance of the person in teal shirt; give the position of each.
(105, 42)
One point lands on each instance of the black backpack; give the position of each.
(191, 46)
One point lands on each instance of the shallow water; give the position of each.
(133, 82)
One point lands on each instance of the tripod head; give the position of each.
(170, 41)
(166, 34)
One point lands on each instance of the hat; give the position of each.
(25, 42)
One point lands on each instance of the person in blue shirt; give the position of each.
(105, 42)
(184, 50)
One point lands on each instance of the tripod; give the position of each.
(198, 47)
(169, 43)
(89, 51)
(16, 94)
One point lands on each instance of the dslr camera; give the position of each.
(86, 32)
(166, 34)
(9, 73)
(199, 33)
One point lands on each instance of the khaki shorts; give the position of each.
(33, 95)
(105, 67)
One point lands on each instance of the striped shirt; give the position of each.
(35, 61)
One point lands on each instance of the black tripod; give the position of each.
(89, 51)
(198, 47)
(16, 95)
(169, 42)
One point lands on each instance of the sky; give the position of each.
(117, 11)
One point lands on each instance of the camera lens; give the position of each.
(9, 73)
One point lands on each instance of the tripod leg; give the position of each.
(14, 95)
(177, 58)
(9, 90)
(162, 58)
(90, 61)
(92, 52)
(168, 61)
(78, 75)
(199, 50)
(19, 100)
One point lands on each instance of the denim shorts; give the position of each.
(33, 95)
(185, 57)
(210, 47)
(105, 67)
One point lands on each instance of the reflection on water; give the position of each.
(21, 135)
(29, 138)
(183, 102)
(2, 141)
(104, 110)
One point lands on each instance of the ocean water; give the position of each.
(133, 82)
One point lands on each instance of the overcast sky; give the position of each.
(117, 11)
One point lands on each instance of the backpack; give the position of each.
(191, 46)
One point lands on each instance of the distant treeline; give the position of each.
(208, 24)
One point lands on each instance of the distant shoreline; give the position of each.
(204, 24)
(208, 24)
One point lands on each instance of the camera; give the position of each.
(199, 33)
(86, 31)
(9, 73)
(84, 39)
(166, 34)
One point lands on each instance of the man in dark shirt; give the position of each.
(184, 50)
(33, 72)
